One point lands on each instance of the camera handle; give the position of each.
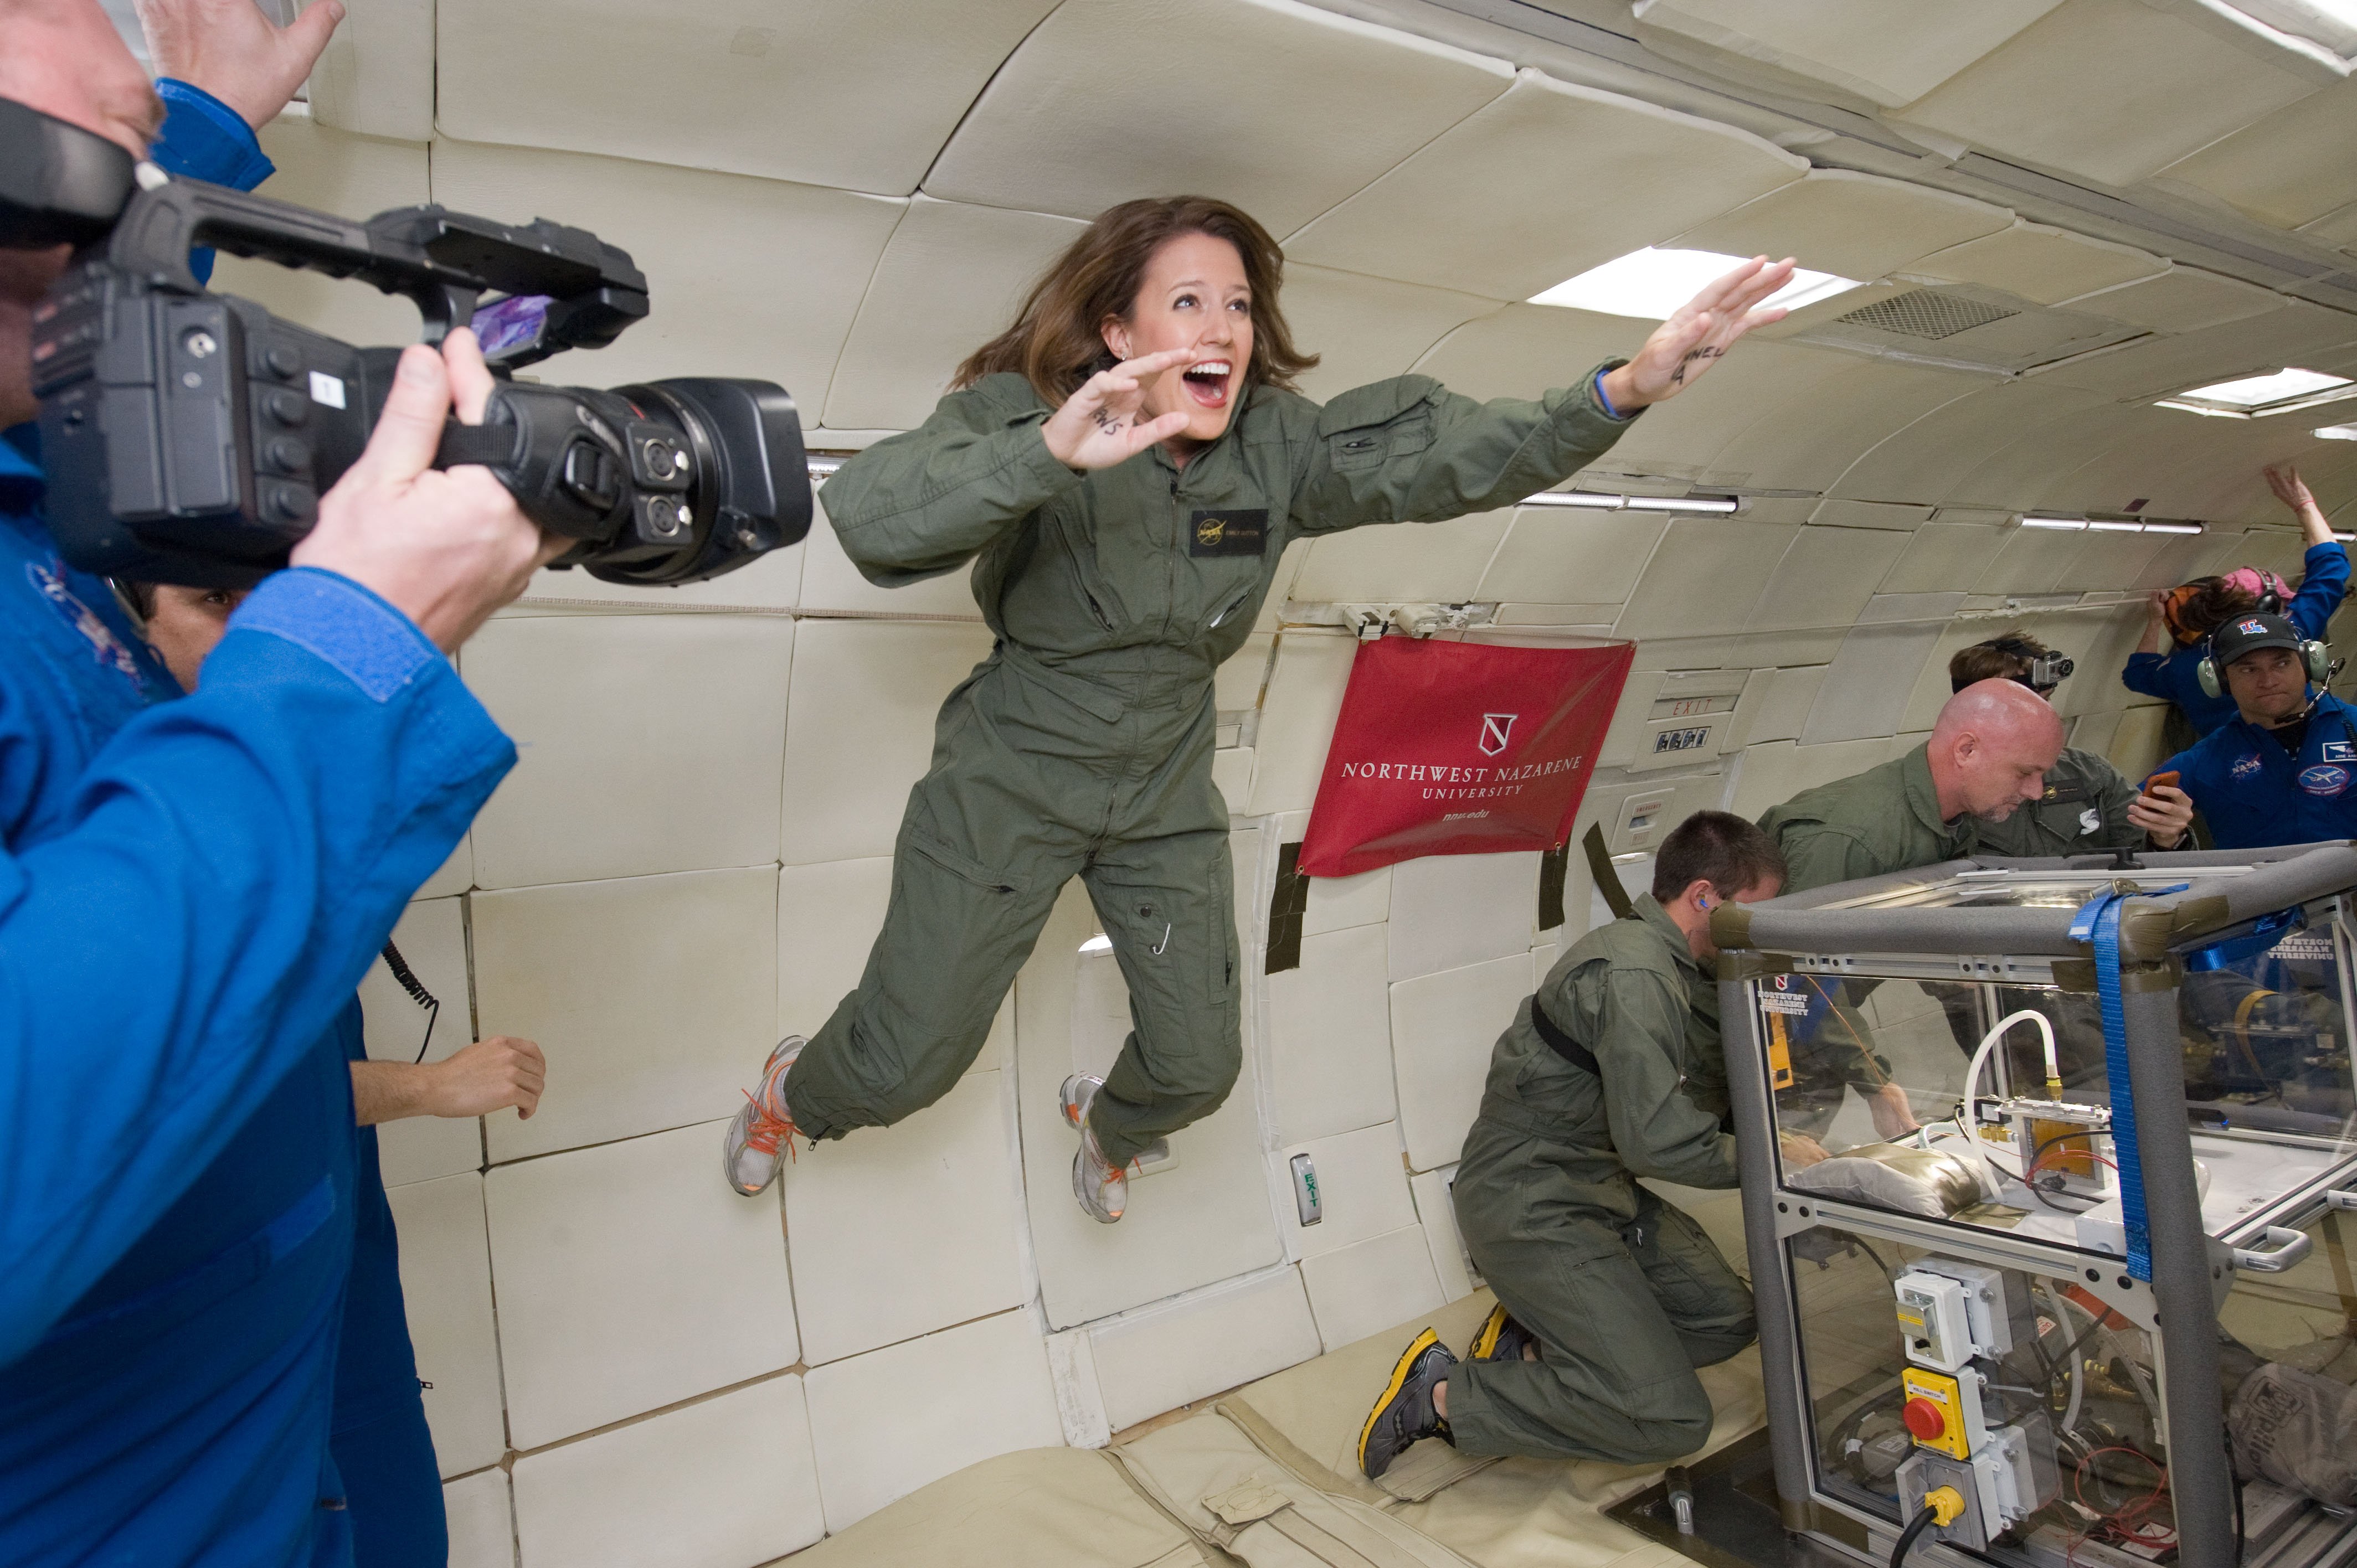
(441, 260)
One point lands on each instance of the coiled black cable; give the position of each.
(417, 993)
(1907, 1538)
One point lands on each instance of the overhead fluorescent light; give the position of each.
(2101, 527)
(1652, 283)
(2106, 525)
(2255, 397)
(2336, 433)
(1598, 500)
(2068, 522)
(2172, 527)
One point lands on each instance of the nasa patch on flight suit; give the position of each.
(1240, 531)
(2323, 779)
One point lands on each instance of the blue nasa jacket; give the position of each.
(2325, 578)
(189, 893)
(2254, 793)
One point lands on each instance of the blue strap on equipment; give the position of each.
(2265, 933)
(2098, 922)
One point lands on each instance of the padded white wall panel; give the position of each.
(1870, 514)
(1784, 705)
(1344, 100)
(2296, 334)
(455, 874)
(1231, 772)
(1306, 683)
(830, 581)
(772, 581)
(1853, 225)
(1206, 1219)
(481, 1521)
(1691, 438)
(942, 1186)
(889, 1422)
(1444, 1027)
(858, 96)
(353, 176)
(645, 743)
(2287, 169)
(1366, 329)
(1173, 1353)
(432, 937)
(2016, 474)
(1494, 205)
(1436, 1212)
(1450, 911)
(1921, 462)
(654, 999)
(1523, 351)
(1362, 1188)
(2030, 561)
(1943, 556)
(1865, 689)
(376, 75)
(2136, 746)
(859, 729)
(1329, 1037)
(2039, 263)
(2109, 560)
(1236, 683)
(2181, 299)
(1409, 561)
(1367, 1288)
(1338, 903)
(1825, 578)
(1705, 576)
(630, 1278)
(1777, 771)
(911, 331)
(1806, 442)
(774, 302)
(722, 1483)
(445, 1283)
(1846, 45)
(2110, 91)
(1554, 555)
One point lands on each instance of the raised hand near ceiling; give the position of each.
(1683, 349)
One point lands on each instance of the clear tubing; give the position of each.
(1973, 1079)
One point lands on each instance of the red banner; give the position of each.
(1460, 749)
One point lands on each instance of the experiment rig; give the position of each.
(2076, 1292)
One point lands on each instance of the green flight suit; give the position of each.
(1625, 1294)
(1886, 818)
(1083, 745)
(2084, 809)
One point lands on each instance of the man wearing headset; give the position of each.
(2087, 806)
(2280, 771)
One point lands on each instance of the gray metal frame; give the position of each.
(2190, 1272)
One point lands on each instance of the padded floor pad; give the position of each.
(1039, 1507)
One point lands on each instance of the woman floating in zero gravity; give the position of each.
(1128, 462)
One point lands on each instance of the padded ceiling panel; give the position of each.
(2181, 299)
(1100, 105)
(2298, 334)
(2015, 476)
(1364, 329)
(1806, 443)
(1539, 186)
(856, 96)
(1554, 555)
(1856, 225)
(2110, 90)
(1851, 46)
(376, 75)
(352, 176)
(775, 302)
(1942, 556)
(914, 324)
(1825, 578)
(2047, 265)
(2109, 560)
(1391, 562)
(1922, 462)
(1704, 577)
(2292, 167)
(1523, 351)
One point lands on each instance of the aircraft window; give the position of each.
(1653, 283)
(2253, 397)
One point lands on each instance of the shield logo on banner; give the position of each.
(1495, 728)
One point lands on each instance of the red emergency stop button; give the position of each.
(1925, 1418)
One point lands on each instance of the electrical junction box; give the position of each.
(1931, 1319)
(1997, 1312)
(2009, 1476)
(1937, 1412)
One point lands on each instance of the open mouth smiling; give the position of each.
(1207, 383)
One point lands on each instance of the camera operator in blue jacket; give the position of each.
(2284, 770)
(189, 895)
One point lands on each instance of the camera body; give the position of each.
(189, 435)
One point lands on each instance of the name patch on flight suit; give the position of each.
(2324, 780)
(1240, 531)
(2340, 751)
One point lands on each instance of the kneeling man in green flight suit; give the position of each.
(1608, 1298)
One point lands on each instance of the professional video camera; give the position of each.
(188, 435)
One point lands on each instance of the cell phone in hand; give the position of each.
(2160, 781)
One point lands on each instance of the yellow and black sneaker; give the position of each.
(1502, 1339)
(1404, 1413)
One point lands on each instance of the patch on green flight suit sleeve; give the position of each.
(1242, 531)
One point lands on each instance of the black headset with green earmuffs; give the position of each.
(2313, 655)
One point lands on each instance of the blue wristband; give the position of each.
(1610, 411)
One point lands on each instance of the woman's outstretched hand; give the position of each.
(1103, 424)
(1682, 349)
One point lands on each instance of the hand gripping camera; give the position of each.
(188, 435)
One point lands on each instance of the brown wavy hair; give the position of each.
(2197, 608)
(1057, 338)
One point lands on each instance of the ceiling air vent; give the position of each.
(1919, 313)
